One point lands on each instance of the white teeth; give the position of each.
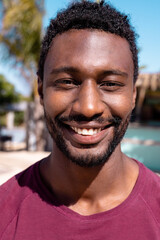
(84, 131)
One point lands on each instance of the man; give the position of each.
(87, 188)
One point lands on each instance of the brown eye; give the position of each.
(110, 86)
(65, 83)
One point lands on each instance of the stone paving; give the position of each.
(14, 162)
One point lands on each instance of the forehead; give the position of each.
(90, 49)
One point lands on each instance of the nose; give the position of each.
(88, 102)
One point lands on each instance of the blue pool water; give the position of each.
(147, 154)
(143, 133)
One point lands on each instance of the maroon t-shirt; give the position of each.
(28, 211)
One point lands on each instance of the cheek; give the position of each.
(56, 103)
(121, 105)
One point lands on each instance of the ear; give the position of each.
(134, 96)
(40, 89)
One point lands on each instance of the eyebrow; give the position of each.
(66, 69)
(69, 69)
(115, 72)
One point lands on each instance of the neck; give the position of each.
(75, 186)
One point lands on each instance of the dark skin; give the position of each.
(88, 73)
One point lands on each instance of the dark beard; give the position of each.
(55, 130)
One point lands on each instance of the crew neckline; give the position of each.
(49, 197)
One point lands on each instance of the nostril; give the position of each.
(96, 116)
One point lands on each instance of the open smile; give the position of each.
(87, 132)
(87, 135)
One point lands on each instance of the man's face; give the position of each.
(88, 94)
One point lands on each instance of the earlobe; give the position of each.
(40, 90)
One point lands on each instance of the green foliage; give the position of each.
(20, 33)
(7, 92)
(18, 118)
(2, 119)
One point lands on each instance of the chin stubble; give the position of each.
(88, 160)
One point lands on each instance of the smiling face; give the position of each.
(88, 94)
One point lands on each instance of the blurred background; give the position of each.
(23, 135)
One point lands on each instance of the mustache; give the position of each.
(115, 120)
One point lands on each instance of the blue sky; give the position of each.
(145, 17)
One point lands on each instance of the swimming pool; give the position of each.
(143, 144)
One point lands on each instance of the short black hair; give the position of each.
(90, 15)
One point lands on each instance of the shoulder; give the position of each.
(13, 193)
(152, 179)
(150, 193)
(11, 189)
